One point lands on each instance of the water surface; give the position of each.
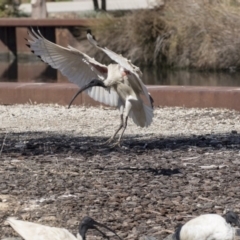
(33, 70)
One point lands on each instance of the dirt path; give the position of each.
(53, 169)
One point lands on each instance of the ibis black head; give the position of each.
(176, 235)
(232, 218)
(89, 223)
(93, 83)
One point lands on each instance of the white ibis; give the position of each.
(210, 227)
(117, 85)
(35, 231)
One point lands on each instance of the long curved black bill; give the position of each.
(109, 229)
(93, 83)
(103, 234)
(78, 92)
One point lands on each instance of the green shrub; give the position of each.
(8, 8)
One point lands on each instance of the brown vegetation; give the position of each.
(201, 34)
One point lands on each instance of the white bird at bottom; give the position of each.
(210, 227)
(35, 231)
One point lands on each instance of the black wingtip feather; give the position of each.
(28, 45)
(40, 58)
(89, 31)
(30, 29)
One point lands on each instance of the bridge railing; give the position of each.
(13, 32)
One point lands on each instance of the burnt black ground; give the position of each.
(144, 188)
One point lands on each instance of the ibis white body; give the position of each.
(34, 231)
(129, 95)
(207, 227)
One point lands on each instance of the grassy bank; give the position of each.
(201, 34)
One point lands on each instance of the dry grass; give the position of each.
(202, 34)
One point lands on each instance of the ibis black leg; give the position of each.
(124, 128)
(116, 132)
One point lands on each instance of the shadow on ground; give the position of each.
(39, 143)
(153, 171)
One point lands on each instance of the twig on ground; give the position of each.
(3, 143)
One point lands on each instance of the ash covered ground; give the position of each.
(54, 170)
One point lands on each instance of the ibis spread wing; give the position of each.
(34, 231)
(126, 64)
(78, 67)
(135, 80)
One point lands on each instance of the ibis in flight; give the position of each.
(35, 231)
(119, 84)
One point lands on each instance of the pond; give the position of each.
(33, 70)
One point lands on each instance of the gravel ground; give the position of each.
(54, 171)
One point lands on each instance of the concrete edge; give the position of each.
(171, 96)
